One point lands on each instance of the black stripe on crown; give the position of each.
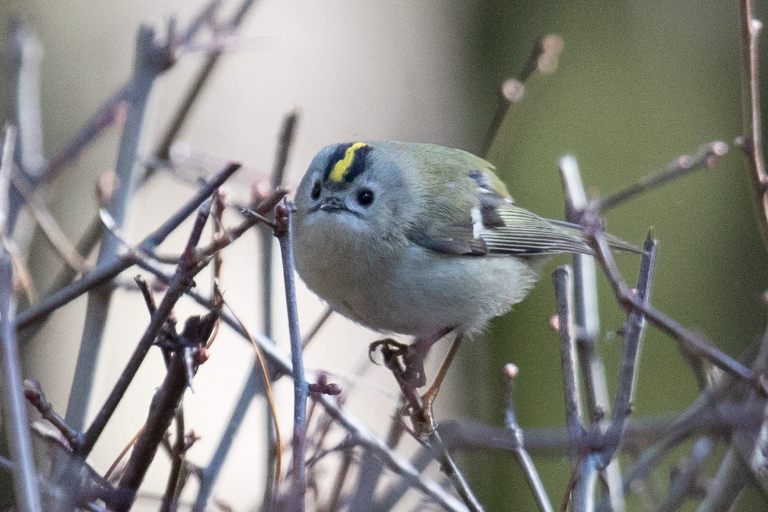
(355, 168)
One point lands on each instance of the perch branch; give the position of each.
(284, 237)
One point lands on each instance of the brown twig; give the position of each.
(35, 396)
(164, 408)
(543, 58)
(752, 143)
(181, 282)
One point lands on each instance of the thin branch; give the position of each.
(319, 323)
(109, 270)
(449, 467)
(583, 470)
(543, 58)
(146, 69)
(726, 486)
(284, 237)
(364, 437)
(6, 170)
(29, 53)
(587, 318)
(266, 240)
(704, 158)
(48, 224)
(563, 281)
(181, 282)
(34, 394)
(526, 462)
(102, 119)
(687, 481)
(752, 143)
(165, 404)
(173, 487)
(693, 342)
(14, 413)
(634, 333)
(204, 74)
(211, 472)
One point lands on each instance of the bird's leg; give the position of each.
(406, 362)
(429, 397)
(421, 415)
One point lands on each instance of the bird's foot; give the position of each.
(407, 366)
(405, 362)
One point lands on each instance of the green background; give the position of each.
(639, 83)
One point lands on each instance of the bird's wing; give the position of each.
(471, 213)
(490, 222)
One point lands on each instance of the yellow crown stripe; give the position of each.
(342, 166)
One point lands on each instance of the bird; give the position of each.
(419, 239)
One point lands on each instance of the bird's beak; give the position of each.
(332, 204)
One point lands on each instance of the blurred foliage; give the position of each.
(639, 83)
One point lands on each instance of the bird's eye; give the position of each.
(365, 196)
(315, 194)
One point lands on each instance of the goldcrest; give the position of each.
(419, 239)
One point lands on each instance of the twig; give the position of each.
(145, 71)
(164, 405)
(587, 318)
(173, 487)
(283, 234)
(724, 489)
(6, 171)
(284, 145)
(752, 143)
(704, 417)
(17, 428)
(338, 486)
(205, 16)
(206, 71)
(411, 474)
(29, 52)
(692, 341)
(27, 114)
(630, 359)
(586, 313)
(182, 281)
(211, 472)
(34, 394)
(583, 471)
(365, 438)
(449, 467)
(370, 467)
(109, 270)
(563, 281)
(543, 58)
(534, 480)
(266, 240)
(261, 363)
(392, 496)
(48, 224)
(704, 158)
(99, 121)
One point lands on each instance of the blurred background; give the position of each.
(638, 84)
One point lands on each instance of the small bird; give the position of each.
(419, 239)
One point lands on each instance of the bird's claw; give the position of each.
(404, 362)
